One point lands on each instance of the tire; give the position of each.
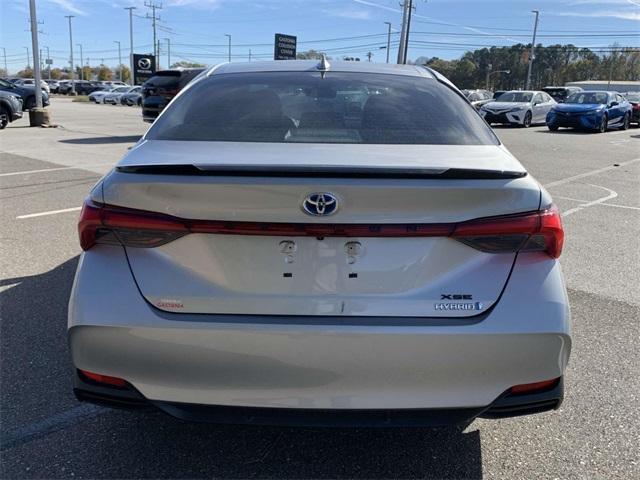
(30, 103)
(602, 128)
(4, 117)
(626, 122)
(526, 123)
(140, 104)
(553, 128)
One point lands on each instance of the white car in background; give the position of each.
(518, 107)
(30, 82)
(113, 97)
(302, 243)
(98, 95)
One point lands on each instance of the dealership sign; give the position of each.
(284, 47)
(144, 66)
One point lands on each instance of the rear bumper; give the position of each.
(506, 405)
(318, 363)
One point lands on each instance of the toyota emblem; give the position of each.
(320, 204)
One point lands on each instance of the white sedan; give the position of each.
(518, 107)
(113, 97)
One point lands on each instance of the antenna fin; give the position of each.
(323, 64)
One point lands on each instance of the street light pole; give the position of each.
(131, 9)
(36, 59)
(489, 73)
(119, 60)
(4, 52)
(48, 64)
(81, 63)
(388, 39)
(533, 49)
(73, 82)
(229, 36)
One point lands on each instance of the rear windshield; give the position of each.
(588, 97)
(164, 79)
(515, 97)
(303, 107)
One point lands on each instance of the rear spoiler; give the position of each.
(304, 171)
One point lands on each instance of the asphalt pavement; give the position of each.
(46, 433)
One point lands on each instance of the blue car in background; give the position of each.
(591, 110)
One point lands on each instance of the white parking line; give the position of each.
(609, 196)
(588, 174)
(77, 167)
(50, 212)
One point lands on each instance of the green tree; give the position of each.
(56, 73)
(104, 73)
(126, 73)
(26, 73)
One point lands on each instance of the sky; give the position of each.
(196, 28)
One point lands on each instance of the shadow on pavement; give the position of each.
(35, 373)
(102, 140)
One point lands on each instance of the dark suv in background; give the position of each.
(560, 94)
(26, 93)
(158, 91)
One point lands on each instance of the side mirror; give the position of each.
(614, 104)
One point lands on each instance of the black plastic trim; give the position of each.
(321, 172)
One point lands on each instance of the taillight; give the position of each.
(534, 387)
(532, 231)
(104, 379)
(124, 226)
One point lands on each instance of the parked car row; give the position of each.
(126, 95)
(589, 110)
(26, 93)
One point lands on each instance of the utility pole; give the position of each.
(119, 60)
(532, 55)
(229, 36)
(36, 59)
(406, 37)
(131, 9)
(369, 55)
(4, 52)
(168, 52)
(28, 57)
(388, 39)
(407, 8)
(48, 64)
(81, 63)
(158, 56)
(154, 18)
(72, 73)
(249, 54)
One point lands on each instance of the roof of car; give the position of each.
(311, 65)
